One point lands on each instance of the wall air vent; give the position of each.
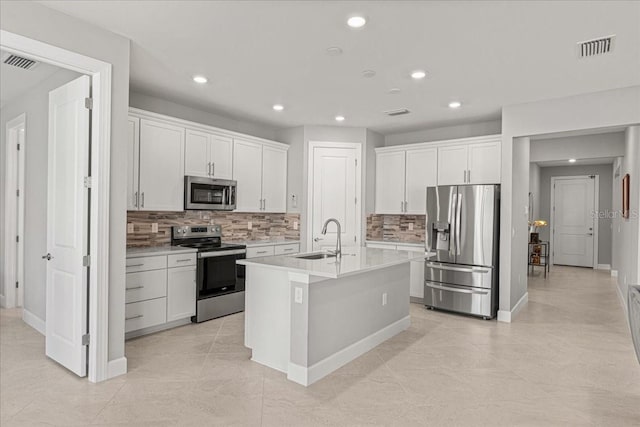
(398, 112)
(596, 47)
(19, 61)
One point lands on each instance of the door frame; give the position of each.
(596, 206)
(14, 215)
(320, 144)
(100, 73)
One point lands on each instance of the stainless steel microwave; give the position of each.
(209, 194)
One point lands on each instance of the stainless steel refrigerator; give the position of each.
(462, 233)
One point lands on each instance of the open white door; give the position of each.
(336, 189)
(67, 225)
(573, 221)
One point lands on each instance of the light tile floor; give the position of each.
(566, 360)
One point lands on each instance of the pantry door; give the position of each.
(334, 193)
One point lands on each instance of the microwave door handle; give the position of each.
(224, 196)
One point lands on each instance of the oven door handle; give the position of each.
(221, 253)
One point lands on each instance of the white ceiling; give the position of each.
(257, 53)
(15, 81)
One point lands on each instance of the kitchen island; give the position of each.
(309, 317)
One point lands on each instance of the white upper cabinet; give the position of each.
(261, 173)
(472, 163)
(452, 165)
(390, 176)
(161, 166)
(421, 171)
(274, 179)
(247, 171)
(133, 159)
(484, 163)
(208, 155)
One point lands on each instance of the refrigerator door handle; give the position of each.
(459, 290)
(458, 221)
(452, 224)
(460, 269)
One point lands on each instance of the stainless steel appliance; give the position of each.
(209, 194)
(220, 280)
(462, 230)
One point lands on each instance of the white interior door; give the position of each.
(335, 188)
(573, 223)
(67, 225)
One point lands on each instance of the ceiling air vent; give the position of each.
(20, 62)
(398, 112)
(595, 47)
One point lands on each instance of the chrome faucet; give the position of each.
(338, 251)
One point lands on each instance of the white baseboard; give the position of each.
(603, 267)
(157, 328)
(116, 367)
(508, 316)
(307, 376)
(34, 321)
(614, 273)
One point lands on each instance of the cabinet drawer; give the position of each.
(146, 263)
(144, 314)
(410, 248)
(145, 285)
(292, 248)
(260, 251)
(181, 260)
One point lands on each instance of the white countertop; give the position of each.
(258, 243)
(158, 250)
(353, 261)
(397, 242)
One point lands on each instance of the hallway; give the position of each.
(566, 360)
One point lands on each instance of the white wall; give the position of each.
(612, 108)
(38, 22)
(520, 217)
(35, 103)
(598, 146)
(605, 202)
(534, 189)
(449, 132)
(169, 108)
(626, 233)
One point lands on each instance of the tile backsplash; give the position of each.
(265, 226)
(396, 228)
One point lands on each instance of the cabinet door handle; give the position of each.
(209, 168)
(183, 260)
(213, 168)
(135, 265)
(469, 176)
(134, 317)
(135, 203)
(134, 288)
(401, 206)
(264, 204)
(142, 199)
(262, 252)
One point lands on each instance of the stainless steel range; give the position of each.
(220, 280)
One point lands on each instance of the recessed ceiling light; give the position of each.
(200, 79)
(340, 118)
(278, 107)
(418, 74)
(334, 51)
(455, 104)
(356, 22)
(367, 74)
(572, 160)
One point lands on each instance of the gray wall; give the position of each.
(38, 22)
(605, 173)
(492, 127)
(35, 103)
(169, 108)
(534, 189)
(578, 147)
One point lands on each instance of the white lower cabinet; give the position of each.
(159, 289)
(416, 275)
(271, 250)
(181, 293)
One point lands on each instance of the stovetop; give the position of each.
(211, 246)
(205, 238)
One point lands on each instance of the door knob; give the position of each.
(589, 234)
(317, 239)
(48, 257)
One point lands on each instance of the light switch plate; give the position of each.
(154, 227)
(295, 225)
(384, 299)
(130, 228)
(410, 226)
(298, 295)
(249, 225)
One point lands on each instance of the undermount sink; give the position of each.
(317, 255)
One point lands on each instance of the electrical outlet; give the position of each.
(130, 228)
(249, 225)
(384, 299)
(410, 226)
(295, 225)
(154, 227)
(298, 295)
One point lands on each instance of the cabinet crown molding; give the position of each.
(445, 142)
(143, 114)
